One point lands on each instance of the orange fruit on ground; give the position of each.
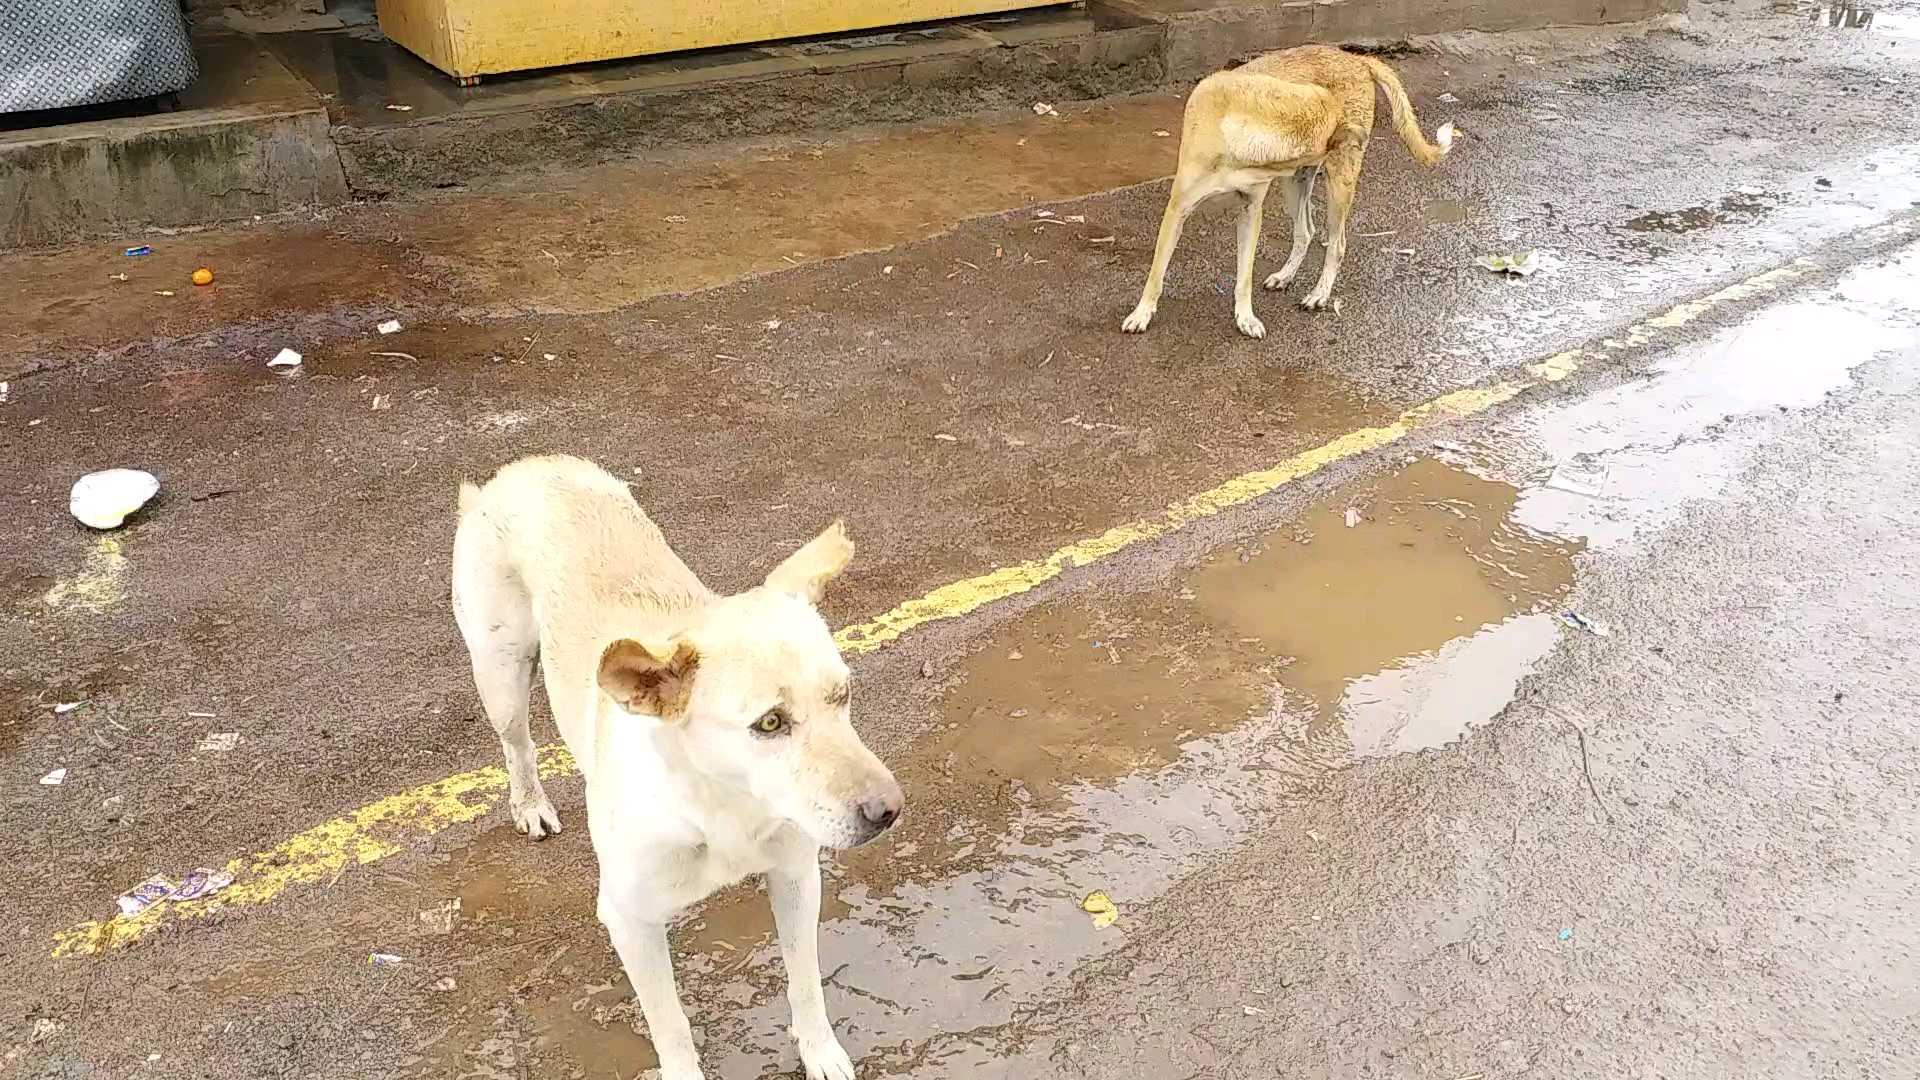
(203, 276)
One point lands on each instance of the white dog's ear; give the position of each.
(650, 681)
(806, 572)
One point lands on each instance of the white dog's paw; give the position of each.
(1250, 325)
(1136, 323)
(824, 1058)
(1317, 300)
(1280, 279)
(535, 817)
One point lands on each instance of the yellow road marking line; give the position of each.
(384, 827)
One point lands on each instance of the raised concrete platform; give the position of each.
(249, 138)
(443, 134)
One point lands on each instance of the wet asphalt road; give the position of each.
(1249, 734)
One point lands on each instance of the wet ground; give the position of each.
(1569, 735)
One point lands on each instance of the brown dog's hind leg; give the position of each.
(1298, 192)
(1343, 175)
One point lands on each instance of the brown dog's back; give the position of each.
(1351, 78)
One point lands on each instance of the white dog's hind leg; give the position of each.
(648, 960)
(495, 616)
(793, 888)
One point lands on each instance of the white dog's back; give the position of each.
(556, 550)
(572, 527)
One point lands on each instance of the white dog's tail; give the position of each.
(1404, 122)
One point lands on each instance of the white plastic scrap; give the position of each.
(197, 885)
(1041, 108)
(1581, 622)
(144, 895)
(285, 358)
(218, 742)
(54, 778)
(202, 882)
(102, 500)
(391, 326)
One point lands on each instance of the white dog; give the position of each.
(713, 730)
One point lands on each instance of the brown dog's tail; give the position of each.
(1404, 122)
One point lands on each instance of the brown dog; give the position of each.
(1286, 116)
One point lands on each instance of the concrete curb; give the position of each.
(82, 180)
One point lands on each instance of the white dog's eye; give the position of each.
(772, 722)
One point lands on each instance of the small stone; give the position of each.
(926, 669)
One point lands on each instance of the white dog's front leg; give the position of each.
(793, 887)
(643, 950)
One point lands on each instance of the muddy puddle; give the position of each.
(1116, 743)
(1629, 458)
(1407, 607)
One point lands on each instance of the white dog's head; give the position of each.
(758, 697)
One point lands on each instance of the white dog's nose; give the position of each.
(882, 809)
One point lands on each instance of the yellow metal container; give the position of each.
(470, 38)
